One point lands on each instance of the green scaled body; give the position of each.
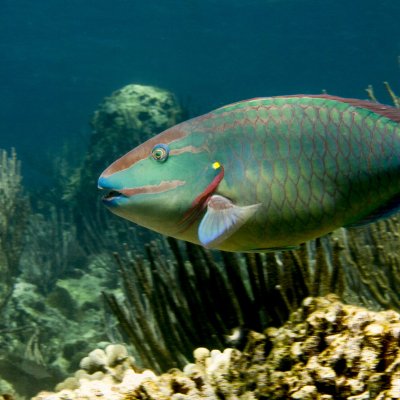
(263, 174)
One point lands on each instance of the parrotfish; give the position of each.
(263, 174)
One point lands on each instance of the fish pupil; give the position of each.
(160, 152)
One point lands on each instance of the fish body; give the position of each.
(263, 174)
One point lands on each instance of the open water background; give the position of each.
(60, 58)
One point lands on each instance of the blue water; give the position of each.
(60, 58)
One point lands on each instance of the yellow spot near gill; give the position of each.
(216, 165)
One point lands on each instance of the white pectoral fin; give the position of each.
(222, 219)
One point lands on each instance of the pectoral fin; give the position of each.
(222, 219)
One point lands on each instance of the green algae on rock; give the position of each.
(326, 351)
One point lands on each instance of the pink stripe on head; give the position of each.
(143, 151)
(164, 186)
(188, 149)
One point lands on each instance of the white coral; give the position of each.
(95, 361)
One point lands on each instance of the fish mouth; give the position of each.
(112, 195)
(163, 186)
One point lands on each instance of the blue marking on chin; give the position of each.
(112, 198)
(111, 201)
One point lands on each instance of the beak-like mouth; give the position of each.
(111, 195)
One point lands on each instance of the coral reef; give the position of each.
(112, 362)
(326, 350)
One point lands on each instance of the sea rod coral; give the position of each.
(183, 296)
(164, 314)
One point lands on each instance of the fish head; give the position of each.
(164, 183)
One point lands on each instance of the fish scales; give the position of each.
(267, 173)
(331, 135)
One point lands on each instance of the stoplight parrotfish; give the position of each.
(263, 174)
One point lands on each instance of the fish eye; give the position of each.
(160, 152)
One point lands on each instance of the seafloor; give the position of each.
(326, 350)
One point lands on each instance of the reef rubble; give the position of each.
(326, 350)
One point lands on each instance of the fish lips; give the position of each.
(113, 196)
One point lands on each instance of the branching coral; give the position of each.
(162, 297)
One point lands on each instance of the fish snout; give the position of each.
(104, 183)
(111, 193)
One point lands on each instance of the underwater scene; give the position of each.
(199, 200)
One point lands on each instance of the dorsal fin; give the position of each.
(384, 110)
(390, 112)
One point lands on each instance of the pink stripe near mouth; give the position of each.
(143, 150)
(187, 149)
(164, 186)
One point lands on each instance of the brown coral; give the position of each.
(327, 350)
